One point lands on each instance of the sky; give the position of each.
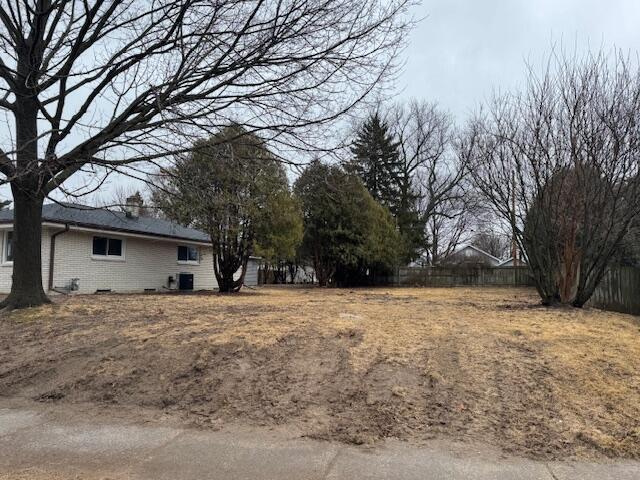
(464, 49)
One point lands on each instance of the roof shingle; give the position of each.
(103, 219)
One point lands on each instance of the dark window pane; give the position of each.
(193, 254)
(9, 247)
(183, 254)
(115, 247)
(99, 245)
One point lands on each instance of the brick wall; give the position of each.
(147, 263)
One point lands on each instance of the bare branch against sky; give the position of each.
(459, 53)
(116, 82)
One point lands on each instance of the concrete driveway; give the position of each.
(34, 445)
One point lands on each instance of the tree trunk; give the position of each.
(28, 197)
(225, 269)
(293, 271)
(237, 284)
(588, 286)
(26, 288)
(321, 273)
(225, 280)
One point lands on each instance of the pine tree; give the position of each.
(411, 225)
(411, 222)
(376, 162)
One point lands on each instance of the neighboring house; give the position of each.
(510, 263)
(470, 255)
(89, 250)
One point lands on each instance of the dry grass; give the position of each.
(467, 364)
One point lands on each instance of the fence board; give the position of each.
(460, 276)
(619, 291)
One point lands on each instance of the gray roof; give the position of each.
(103, 219)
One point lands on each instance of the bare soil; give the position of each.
(357, 366)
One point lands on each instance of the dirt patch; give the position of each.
(355, 366)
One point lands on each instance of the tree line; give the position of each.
(557, 165)
(232, 187)
(205, 93)
(351, 221)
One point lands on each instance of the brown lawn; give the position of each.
(477, 365)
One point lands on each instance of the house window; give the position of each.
(8, 246)
(107, 247)
(187, 254)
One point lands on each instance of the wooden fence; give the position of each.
(619, 291)
(460, 276)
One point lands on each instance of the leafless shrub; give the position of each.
(559, 163)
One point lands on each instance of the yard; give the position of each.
(357, 366)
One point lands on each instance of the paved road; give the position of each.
(36, 446)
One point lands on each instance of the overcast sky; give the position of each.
(465, 48)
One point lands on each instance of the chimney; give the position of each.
(133, 205)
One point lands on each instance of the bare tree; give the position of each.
(431, 177)
(95, 85)
(560, 164)
(424, 135)
(492, 241)
(453, 222)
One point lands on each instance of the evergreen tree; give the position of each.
(376, 162)
(279, 234)
(226, 186)
(411, 225)
(348, 236)
(389, 176)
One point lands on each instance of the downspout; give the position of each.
(52, 254)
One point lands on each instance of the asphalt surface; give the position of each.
(34, 445)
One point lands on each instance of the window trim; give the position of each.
(5, 239)
(188, 262)
(107, 257)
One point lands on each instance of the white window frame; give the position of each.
(5, 240)
(188, 262)
(107, 257)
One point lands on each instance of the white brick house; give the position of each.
(89, 250)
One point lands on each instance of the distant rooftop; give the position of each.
(103, 219)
